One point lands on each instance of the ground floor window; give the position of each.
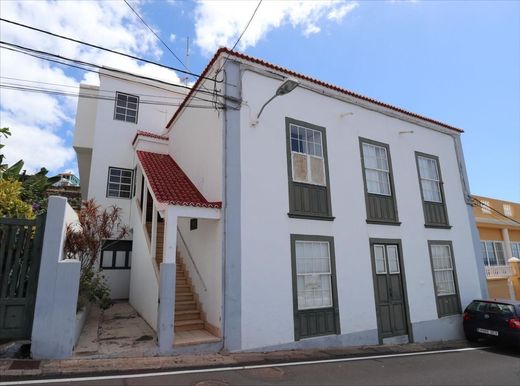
(314, 286)
(444, 278)
(116, 254)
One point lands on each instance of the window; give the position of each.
(126, 107)
(508, 210)
(377, 172)
(313, 274)
(314, 286)
(308, 164)
(493, 253)
(515, 250)
(119, 182)
(432, 192)
(379, 190)
(444, 278)
(116, 254)
(309, 195)
(485, 207)
(430, 180)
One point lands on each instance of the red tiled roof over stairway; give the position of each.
(169, 183)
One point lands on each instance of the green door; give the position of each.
(390, 298)
(20, 253)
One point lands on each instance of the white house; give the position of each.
(323, 218)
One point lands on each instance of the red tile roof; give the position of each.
(169, 183)
(304, 77)
(148, 134)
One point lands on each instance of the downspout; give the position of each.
(469, 207)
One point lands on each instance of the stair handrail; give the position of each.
(191, 258)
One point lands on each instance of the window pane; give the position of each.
(106, 260)
(299, 163)
(393, 259)
(515, 250)
(445, 283)
(317, 170)
(492, 259)
(431, 191)
(379, 254)
(377, 182)
(119, 182)
(499, 249)
(120, 259)
(443, 269)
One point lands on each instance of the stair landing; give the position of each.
(188, 338)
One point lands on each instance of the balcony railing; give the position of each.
(498, 271)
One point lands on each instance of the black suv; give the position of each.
(498, 319)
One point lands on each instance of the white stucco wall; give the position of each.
(205, 248)
(196, 145)
(144, 283)
(267, 303)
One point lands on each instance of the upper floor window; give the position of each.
(508, 210)
(432, 192)
(308, 163)
(309, 190)
(381, 203)
(493, 253)
(377, 171)
(126, 107)
(120, 182)
(515, 249)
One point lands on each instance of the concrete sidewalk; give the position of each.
(26, 369)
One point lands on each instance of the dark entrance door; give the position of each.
(20, 253)
(390, 298)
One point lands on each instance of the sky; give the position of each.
(456, 62)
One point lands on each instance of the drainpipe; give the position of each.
(469, 207)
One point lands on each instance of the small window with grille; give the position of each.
(126, 107)
(120, 182)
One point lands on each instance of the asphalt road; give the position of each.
(495, 366)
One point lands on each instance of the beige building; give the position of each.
(498, 224)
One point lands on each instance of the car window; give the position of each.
(501, 309)
(477, 306)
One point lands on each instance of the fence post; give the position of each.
(58, 284)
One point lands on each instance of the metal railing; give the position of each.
(498, 271)
(191, 258)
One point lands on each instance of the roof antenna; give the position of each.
(187, 61)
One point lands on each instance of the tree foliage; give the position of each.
(84, 241)
(11, 204)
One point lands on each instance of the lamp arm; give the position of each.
(265, 104)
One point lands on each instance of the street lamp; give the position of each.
(286, 87)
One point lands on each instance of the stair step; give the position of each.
(189, 325)
(182, 288)
(179, 297)
(185, 305)
(187, 315)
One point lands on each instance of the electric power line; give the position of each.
(44, 55)
(99, 47)
(480, 203)
(91, 96)
(157, 36)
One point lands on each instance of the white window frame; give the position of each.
(111, 180)
(437, 182)
(386, 172)
(515, 249)
(508, 209)
(485, 254)
(124, 105)
(308, 156)
(450, 269)
(319, 274)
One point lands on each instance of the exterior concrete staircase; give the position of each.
(188, 315)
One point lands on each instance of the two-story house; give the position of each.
(272, 210)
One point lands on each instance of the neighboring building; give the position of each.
(330, 219)
(67, 179)
(498, 224)
(70, 192)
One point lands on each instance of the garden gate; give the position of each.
(20, 254)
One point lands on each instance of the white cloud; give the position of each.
(40, 122)
(219, 23)
(172, 37)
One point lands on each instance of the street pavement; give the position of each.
(465, 366)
